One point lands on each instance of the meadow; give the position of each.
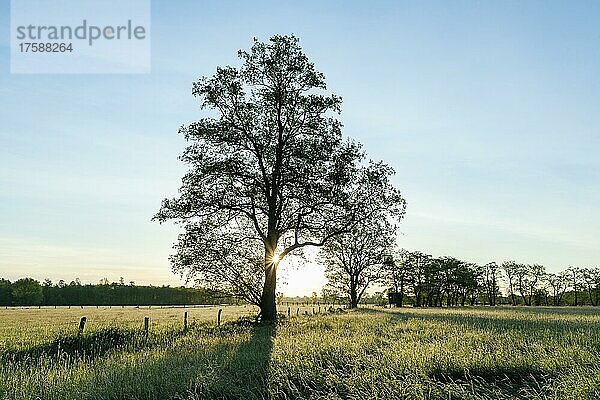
(370, 353)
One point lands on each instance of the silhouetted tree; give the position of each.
(396, 270)
(591, 279)
(575, 278)
(510, 269)
(492, 274)
(527, 278)
(269, 173)
(419, 264)
(354, 260)
(558, 284)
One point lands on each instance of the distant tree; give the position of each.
(269, 174)
(378, 298)
(511, 269)
(354, 260)
(558, 284)
(6, 297)
(470, 277)
(420, 265)
(329, 295)
(27, 292)
(492, 274)
(528, 277)
(396, 270)
(591, 280)
(279, 296)
(575, 279)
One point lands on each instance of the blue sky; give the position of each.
(488, 111)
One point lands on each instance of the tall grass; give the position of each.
(470, 353)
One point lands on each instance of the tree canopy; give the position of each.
(269, 173)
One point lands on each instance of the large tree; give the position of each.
(269, 173)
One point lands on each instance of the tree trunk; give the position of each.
(268, 310)
(353, 295)
(401, 293)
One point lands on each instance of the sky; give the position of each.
(488, 111)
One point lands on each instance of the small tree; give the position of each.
(354, 260)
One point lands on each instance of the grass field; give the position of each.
(469, 353)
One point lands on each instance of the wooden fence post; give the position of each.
(146, 324)
(81, 325)
(219, 316)
(185, 325)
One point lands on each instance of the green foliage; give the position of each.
(27, 291)
(6, 296)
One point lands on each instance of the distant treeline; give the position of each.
(30, 292)
(426, 281)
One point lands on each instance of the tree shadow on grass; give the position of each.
(245, 371)
(509, 381)
(499, 324)
(498, 381)
(234, 366)
(84, 347)
(227, 362)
